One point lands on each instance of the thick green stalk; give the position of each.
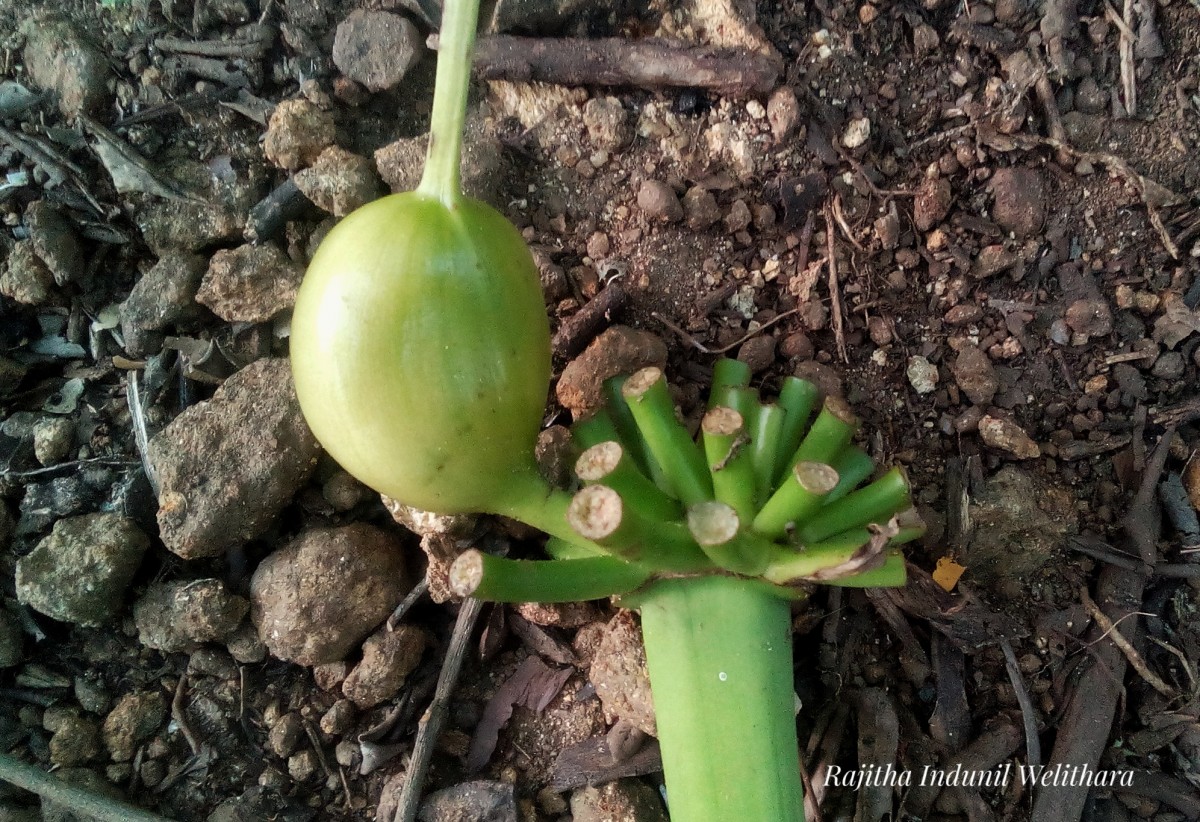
(667, 440)
(497, 579)
(727, 374)
(443, 178)
(719, 652)
(610, 463)
(727, 452)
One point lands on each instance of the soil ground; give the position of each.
(943, 212)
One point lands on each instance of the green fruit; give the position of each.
(421, 352)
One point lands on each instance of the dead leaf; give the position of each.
(948, 573)
(534, 685)
(1177, 323)
(129, 171)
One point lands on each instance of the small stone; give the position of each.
(64, 60)
(758, 352)
(608, 124)
(797, 346)
(700, 208)
(75, 741)
(994, 259)
(922, 374)
(164, 296)
(619, 674)
(932, 202)
(867, 14)
(963, 314)
(55, 242)
(1005, 435)
(229, 465)
(376, 48)
(330, 675)
(858, 131)
(975, 375)
(628, 800)
(79, 573)
(339, 719)
(658, 201)
(250, 283)
(388, 658)
(598, 245)
(479, 801)
(285, 735)
(739, 217)
(180, 615)
(568, 615)
(1169, 366)
(1019, 524)
(317, 597)
(304, 765)
(53, 439)
(783, 113)
(343, 492)
(135, 718)
(879, 330)
(297, 133)
(887, 229)
(1090, 98)
(1090, 318)
(26, 279)
(339, 181)
(619, 350)
(245, 646)
(1019, 200)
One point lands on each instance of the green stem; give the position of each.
(853, 466)
(873, 503)
(829, 434)
(667, 440)
(797, 398)
(496, 579)
(610, 463)
(600, 515)
(892, 574)
(717, 530)
(766, 427)
(443, 178)
(727, 374)
(727, 452)
(800, 495)
(719, 653)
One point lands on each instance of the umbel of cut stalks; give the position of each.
(709, 538)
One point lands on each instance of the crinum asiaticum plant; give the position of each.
(420, 348)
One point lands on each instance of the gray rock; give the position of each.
(619, 674)
(182, 614)
(91, 695)
(319, 596)
(79, 573)
(297, 133)
(626, 800)
(339, 181)
(479, 801)
(658, 201)
(700, 208)
(401, 162)
(1019, 196)
(388, 658)
(228, 466)
(245, 646)
(376, 48)
(168, 225)
(619, 350)
(76, 740)
(1019, 524)
(54, 240)
(250, 283)
(62, 59)
(165, 295)
(1005, 435)
(135, 718)
(608, 124)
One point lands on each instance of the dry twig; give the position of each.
(1131, 654)
(835, 288)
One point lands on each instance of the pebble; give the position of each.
(1089, 318)
(26, 279)
(164, 296)
(963, 314)
(136, 717)
(887, 229)
(797, 346)
(857, 132)
(619, 350)
(758, 352)
(303, 765)
(879, 330)
(285, 735)
(1169, 366)
(932, 202)
(79, 572)
(343, 492)
(975, 375)
(922, 374)
(1020, 523)
(245, 646)
(339, 719)
(388, 658)
(76, 740)
(700, 208)
(739, 217)
(783, 113)
(994, 259)
(608, 124)
(250, 283)
(316, 598)
(182, 614)
(297, 133)
(376, 48)
(64, 60)
(567, 615)
(339, 181)
(1019, 200)
(478, 801)
(1090, 98)
(55, 242)
(53, 439)
(628, 800)
(229, 465)
(658, 201)
(619, 675)
(1005, 435)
